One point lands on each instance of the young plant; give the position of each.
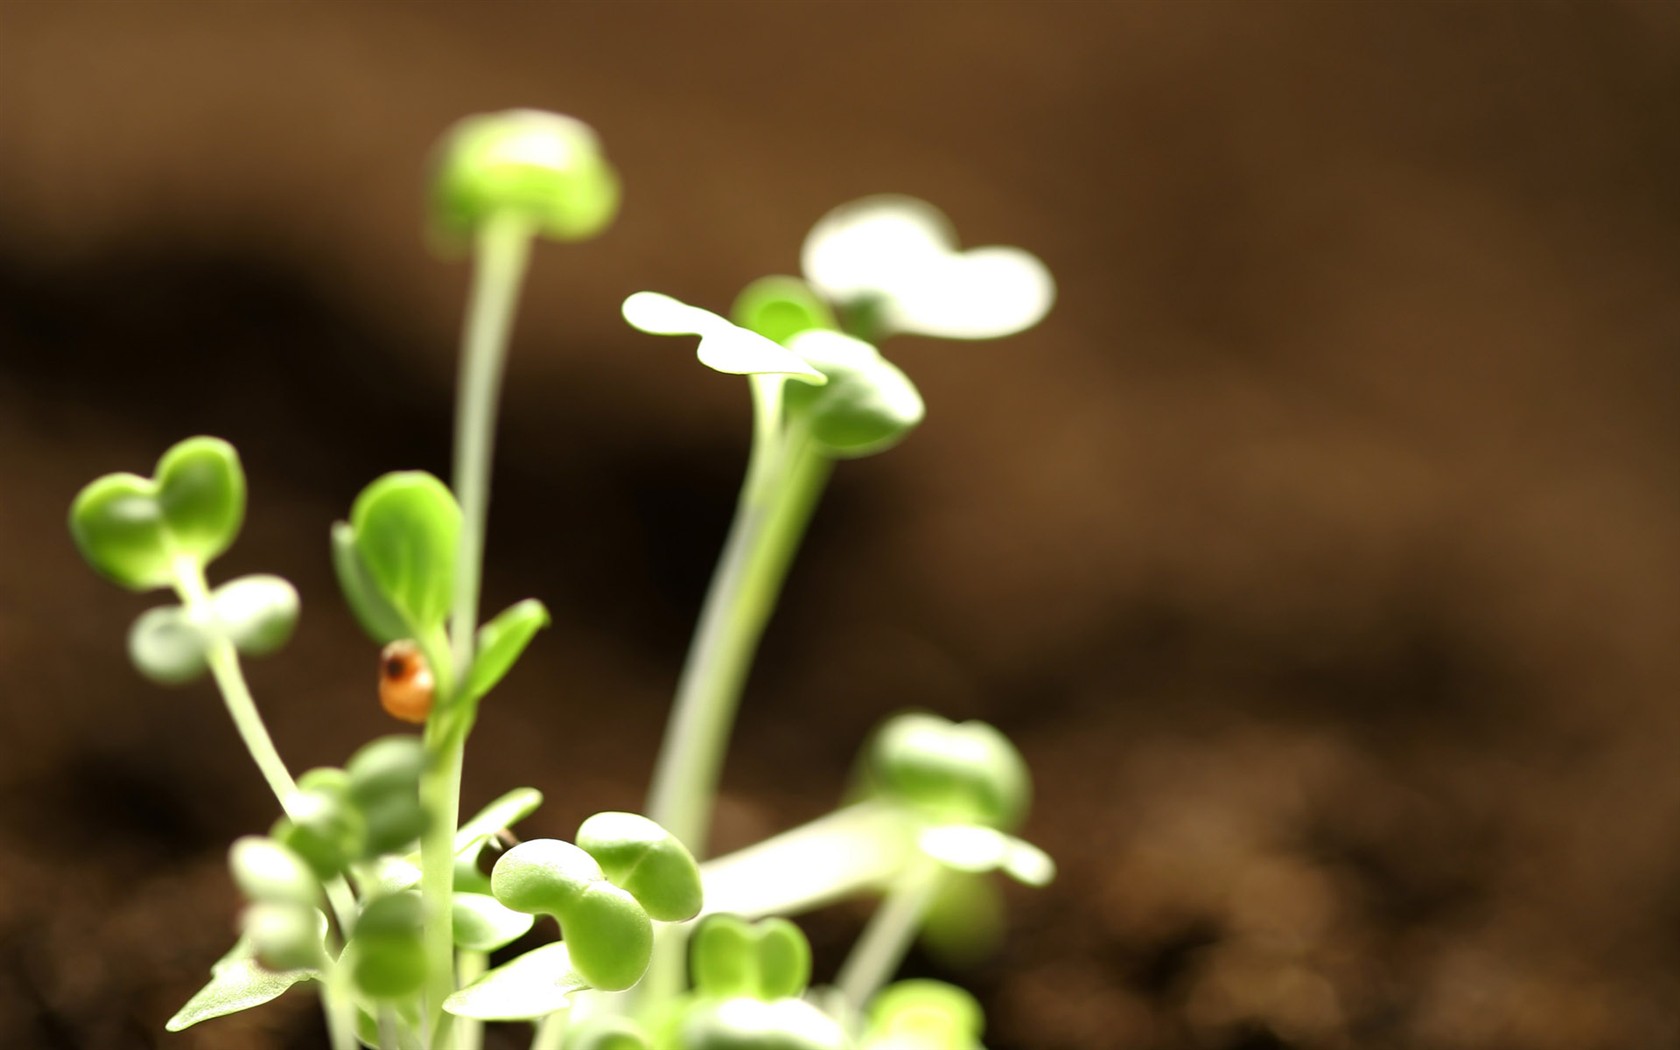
(371, 886)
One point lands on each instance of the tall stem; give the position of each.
(776, 503)
(502, 249)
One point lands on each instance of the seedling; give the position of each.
(371, 887)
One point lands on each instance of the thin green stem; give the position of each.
(469, 1033)
(502, 251)
(223, 659)
(775, 505)
(340, 1008)
(880, 949)
(503, 246)
(785, 478)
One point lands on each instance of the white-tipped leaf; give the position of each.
(724, 346)
(902, 253)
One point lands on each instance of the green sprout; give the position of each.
(408, 919)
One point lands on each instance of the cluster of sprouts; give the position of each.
(372, 887)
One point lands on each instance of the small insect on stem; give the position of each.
(405, 682)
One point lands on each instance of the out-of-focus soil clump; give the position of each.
(1321, 551)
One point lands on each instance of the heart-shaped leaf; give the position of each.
(542, 167)
(237, 983)
(967, 773)
(166, 646)
(531, 986)
(610, 934)
(405, 527)
(646, 860)
(131, 529)
(897, 257)
(724, 347)
(730, 958)
(257, 613)
(500, 643)
(868, 404)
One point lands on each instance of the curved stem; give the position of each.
(784, 480)
(502, 249)
(785, 477)
(223, 659)
(881, 947)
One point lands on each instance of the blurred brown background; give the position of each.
(1321, 550)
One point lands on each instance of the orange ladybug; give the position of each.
(405, 682)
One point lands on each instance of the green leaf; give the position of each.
(724, 347)
(542, 167)
(610, 934)
(405, 527)
(236, 983)
(118, 526)
(483, 924)
(531, 986)
(166, 646)
(779, 308)
(286, 935)
(201, 489)
(384, 785)
(388, 960)
(268, 871)
(130, 528)
(925, 1015)
(868, 405)
(967, 773)
(378, 617)
(505, 812)
(500, 643)
(323, 827)
(390, 875)
(257, 613)
(646, 860)
(731, 958)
